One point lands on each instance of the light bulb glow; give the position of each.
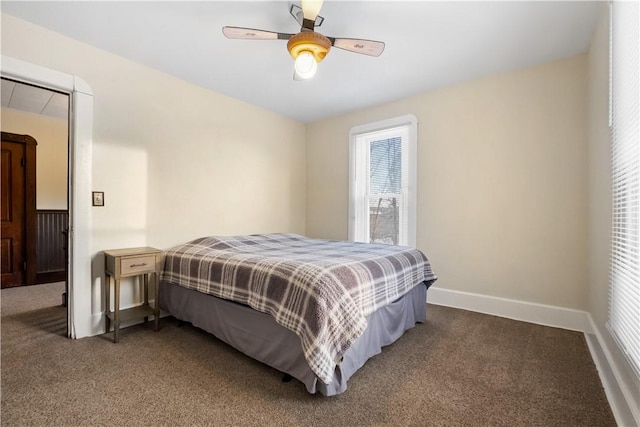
(305, 65)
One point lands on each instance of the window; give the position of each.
(382, 182)
(624, 291)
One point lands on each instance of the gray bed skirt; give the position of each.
(260, 337)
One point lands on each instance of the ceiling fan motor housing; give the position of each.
(309, 41)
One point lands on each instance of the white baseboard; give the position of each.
(624, 408)
(625, 411)
(547, 315)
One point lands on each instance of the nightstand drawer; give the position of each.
(137, 264)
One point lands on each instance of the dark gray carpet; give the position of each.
(459, 368)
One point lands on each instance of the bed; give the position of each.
(313, 309)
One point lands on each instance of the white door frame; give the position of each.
(80, 142)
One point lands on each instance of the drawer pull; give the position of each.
(138, 265)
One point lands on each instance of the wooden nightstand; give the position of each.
(131, 262)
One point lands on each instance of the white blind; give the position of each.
(387, 189)
(624, 290)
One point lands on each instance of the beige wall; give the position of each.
(502, 182)
(600, 204)
(175, 161)
(51, 154)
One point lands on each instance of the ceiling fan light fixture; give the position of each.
(311, 42)
(305, 65)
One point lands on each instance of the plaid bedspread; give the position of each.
(320, 289)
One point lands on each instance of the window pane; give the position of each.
(384, 220)
(385, 166)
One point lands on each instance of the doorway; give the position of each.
(82, 299)
(35, 183)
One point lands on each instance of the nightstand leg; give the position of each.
(107, 310)
(116, 313)
(145, 287)
(156, 307)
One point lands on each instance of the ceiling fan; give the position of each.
(307, 47)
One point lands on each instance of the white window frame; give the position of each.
(359, 139)
(624, 290)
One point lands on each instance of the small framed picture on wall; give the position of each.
(98, 198)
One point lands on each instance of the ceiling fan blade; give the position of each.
(253, 34)
(365, 47)
(311, 9)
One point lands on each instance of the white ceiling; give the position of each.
(428, 44)
(36, 100)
